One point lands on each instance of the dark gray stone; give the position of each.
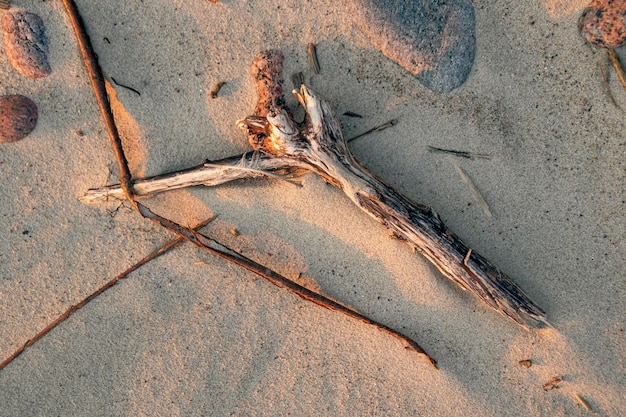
(433, 39)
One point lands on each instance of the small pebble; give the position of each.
(26, 43)
(433, 40)
(18, 117)
(552, 383)
(216, 89)
(604, 23)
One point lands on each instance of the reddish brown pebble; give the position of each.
(217, 89)
(26, 43)
(18, 117)
(552, 383)
(604, 23)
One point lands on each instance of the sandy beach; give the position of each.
(190, 334)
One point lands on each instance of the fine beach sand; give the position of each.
(190, 334)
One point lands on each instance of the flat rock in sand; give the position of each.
(26, 43)
(434, 40)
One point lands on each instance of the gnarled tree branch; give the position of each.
(318, 145)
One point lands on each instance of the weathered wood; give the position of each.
(266, 73)
(318, 145)
(210, 173)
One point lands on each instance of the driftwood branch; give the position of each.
(317, 145)
(210, 173)
(95, 75)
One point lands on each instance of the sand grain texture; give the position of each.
(189, 334)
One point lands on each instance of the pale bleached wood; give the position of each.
(210, 173)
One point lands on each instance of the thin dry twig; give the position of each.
(460, 154)
(552, 383)
(94, 72)
(378, 128)
(617, 66)
(583, 402)
(210, 173)
(297, 79)
(125, 86)
(73, 309)
(604, 80)
(478, 196)
(312, 58)
(352, 114)
(280, 281)
(216, 89)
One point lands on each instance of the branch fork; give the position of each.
(285, 148)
